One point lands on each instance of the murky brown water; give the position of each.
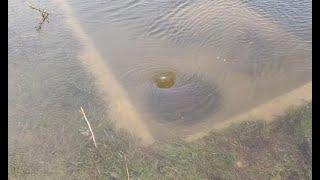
(216, 59)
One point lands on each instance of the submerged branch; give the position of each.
(44, 14)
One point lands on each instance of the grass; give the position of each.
(249, 150)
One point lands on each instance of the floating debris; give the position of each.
(44, 14)
(165, 79)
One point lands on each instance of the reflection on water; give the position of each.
(178, 61)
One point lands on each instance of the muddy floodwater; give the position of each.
(158, 69)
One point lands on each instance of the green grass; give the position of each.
(249, 150)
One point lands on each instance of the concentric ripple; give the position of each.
(192, 98)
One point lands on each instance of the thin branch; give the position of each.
(43, 12)
(85, 117)
(35, 8)
(127, 170)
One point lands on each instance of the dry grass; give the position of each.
(250, 150)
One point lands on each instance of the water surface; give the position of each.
(227, 56)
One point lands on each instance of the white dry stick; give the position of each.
(85, 117)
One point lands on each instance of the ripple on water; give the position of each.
(191, 97)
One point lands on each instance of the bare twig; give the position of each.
(44, 15)
(92, 135)
(127, 170)
(98, 171)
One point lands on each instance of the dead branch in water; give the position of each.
(92, 135)
(44, 14)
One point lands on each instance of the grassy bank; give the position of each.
(250, 150)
